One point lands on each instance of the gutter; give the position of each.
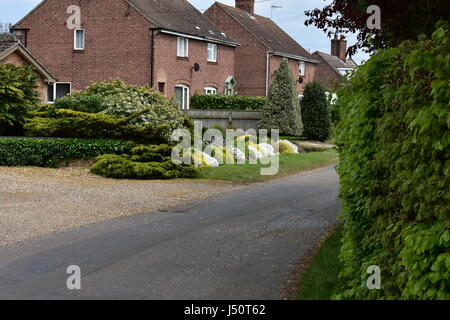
(295, 57)
(212, 40)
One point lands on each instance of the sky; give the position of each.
(290, 17)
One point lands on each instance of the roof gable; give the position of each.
(334, 62)
(180, 16)
(8, 47)
(267, 32)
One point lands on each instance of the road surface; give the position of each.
(241, 245)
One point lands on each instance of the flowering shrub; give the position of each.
(286, 147)
(121, 100)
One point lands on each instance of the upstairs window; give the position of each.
(79, 39)
(302, 68)
(212, 52)
(182, 47)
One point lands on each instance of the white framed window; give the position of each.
(210, 90)
(212, 52)
(182, 47)
(78, 39)
(301, 68)
(58, 90)
(182, 96)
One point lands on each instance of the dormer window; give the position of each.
(79, 39)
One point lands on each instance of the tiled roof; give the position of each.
(267, 31)
(335, 62)
(180, 16)
(5, 45)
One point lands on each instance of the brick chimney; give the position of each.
(247, 5)
(339, 47)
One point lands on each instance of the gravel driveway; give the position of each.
(39, 201)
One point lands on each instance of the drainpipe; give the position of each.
(267, 72)
(152, 63)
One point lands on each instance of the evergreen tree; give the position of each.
(315, 112)
(282, 109)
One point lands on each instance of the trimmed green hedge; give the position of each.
(49, 152)
(227, 102)
(142, 162)
(394, 145)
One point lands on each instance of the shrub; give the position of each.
(66, 123)
(17, 96)
(393, 140)
(49, 152)
(227, 102)
(144, 162)
(282, 109)
(315, 112)
(115, 98)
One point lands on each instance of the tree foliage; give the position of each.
(400, 20)
(18, 96)
(393, 140)
(282, 109)
(315, 112)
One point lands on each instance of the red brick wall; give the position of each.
(172, 70)
(17, 59)
(326, 75)
(117, 42)
(251, 57)
(310, 69)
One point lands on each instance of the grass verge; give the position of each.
(320, 280)
(289, 164)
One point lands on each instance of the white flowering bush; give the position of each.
(119, 99)
(286, 147)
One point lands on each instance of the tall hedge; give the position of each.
(393, 140)
(18, 96)
(282, 109)
(315, 112)
(227, 102)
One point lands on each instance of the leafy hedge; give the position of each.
(393, 140)
(315, 112)
(227, 102)
(143, 162)
(49, 152)
(49, 121)
(17, 97)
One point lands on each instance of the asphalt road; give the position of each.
(242, 245)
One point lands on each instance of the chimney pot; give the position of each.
(247, 5)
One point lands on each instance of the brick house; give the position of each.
(13, 52)
(263, 45)
(166, 44)
(333, 67)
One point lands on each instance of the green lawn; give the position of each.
(320, 280)
(288, 164)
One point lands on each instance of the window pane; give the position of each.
(179, 96)
(212, 52)
(62, 90)
(50, 97)
(79, 39)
